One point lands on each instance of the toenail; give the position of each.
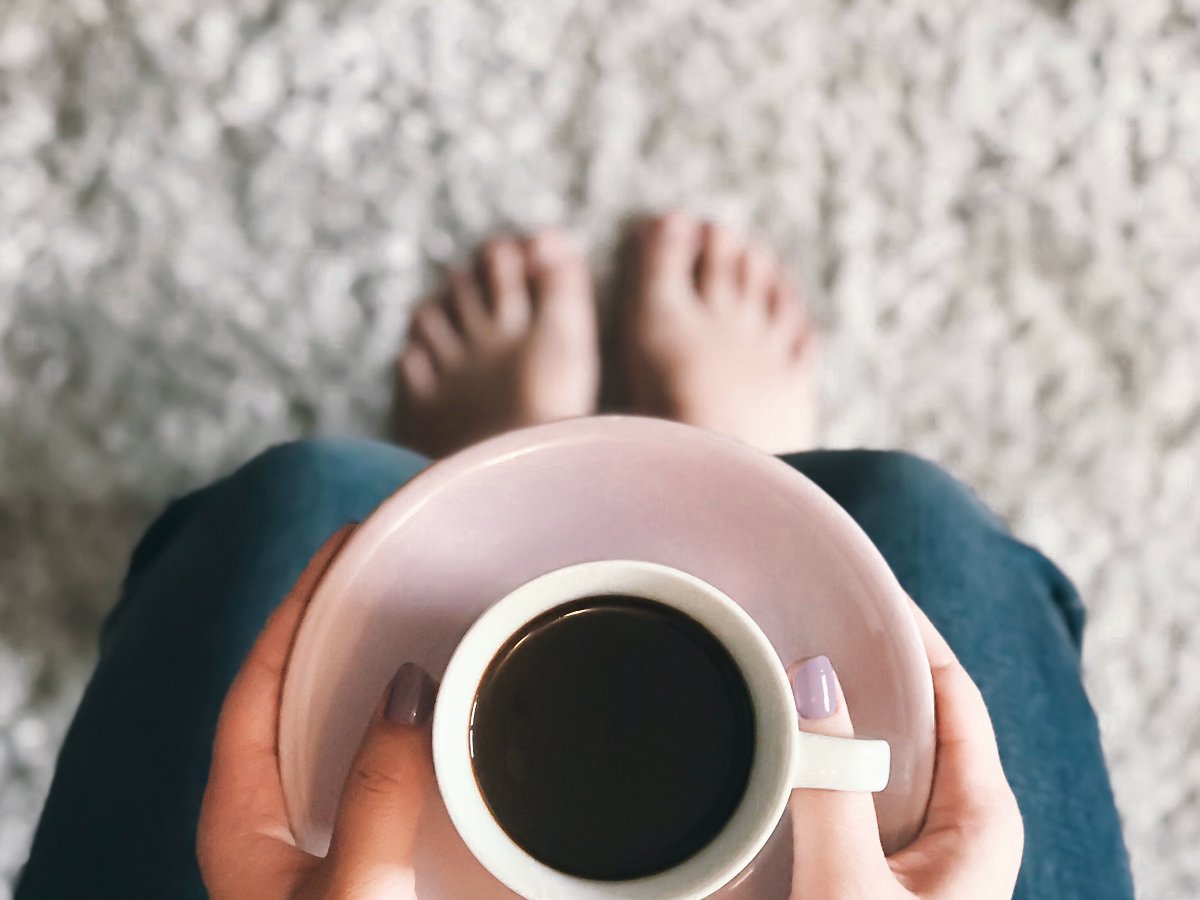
(550, 247)
(502, 250)
(673, 221)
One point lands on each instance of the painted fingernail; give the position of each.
(410, 696)
(815, 688)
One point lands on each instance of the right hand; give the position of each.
(970, 846)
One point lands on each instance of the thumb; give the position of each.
(385, 792)
(836, 849)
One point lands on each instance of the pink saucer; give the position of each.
(473, 527)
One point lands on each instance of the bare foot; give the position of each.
(510, 344)
(715, 335)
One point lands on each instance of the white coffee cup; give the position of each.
(784, 757)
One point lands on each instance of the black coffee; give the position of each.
(612, 737)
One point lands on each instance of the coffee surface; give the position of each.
(612, 737)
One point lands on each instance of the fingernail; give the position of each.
(410, 696)
(815, 688)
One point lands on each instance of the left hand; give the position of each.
(244, 844)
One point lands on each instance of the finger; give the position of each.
(973, 832)
(835, 833)
(386, 790)
(243, 795)
(967, 757)
(246, 730)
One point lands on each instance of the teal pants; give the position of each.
(121, 817)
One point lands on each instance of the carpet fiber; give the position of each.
(214, 217)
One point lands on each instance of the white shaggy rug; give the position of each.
(214, 216)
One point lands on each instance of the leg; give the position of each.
(508, 345)
(1016, 623)
(121, 816)
(716, 337)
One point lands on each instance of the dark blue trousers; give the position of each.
(120, 820)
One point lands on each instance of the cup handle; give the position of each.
(840, 763)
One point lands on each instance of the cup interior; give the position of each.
(767, 789)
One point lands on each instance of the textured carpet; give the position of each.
(214, 215)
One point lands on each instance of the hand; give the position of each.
(244, 844)
(971, 843)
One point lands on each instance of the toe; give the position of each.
(809, 348)
(466, 303)
(754, 278)
(777, 301)
(801, 338)
(431, 326)
(505, 280)
(783, 300)
(559, 274)
(785, 317)
(547, 247)
(717, 273)
(670, 245)
(807, 356)
(416, 372)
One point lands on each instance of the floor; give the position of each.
(214, 216)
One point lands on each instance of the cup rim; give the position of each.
(776, 726)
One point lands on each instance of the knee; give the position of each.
(325, 462)
(274, 511)
(308, 452)
(898, 473)
(315, 479)
(898, 488)
(308, 456)
(306, 466)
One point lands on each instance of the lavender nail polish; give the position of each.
(410, 696)
(815, 688)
